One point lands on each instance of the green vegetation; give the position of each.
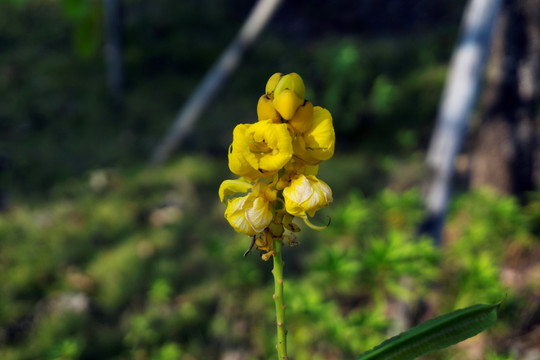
(142, 264)
(102, 257)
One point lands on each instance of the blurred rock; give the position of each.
(78, 280)
(236, 354)
(77, 303)
(103, 179)
(145, 249)
(165, 215)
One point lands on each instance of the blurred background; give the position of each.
(103, 256)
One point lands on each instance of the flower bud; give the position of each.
(287, 223)
(266, 110)
(306, 195)
(286, 103)
(249, 214)
(272, 83)
(292, 82)
(276, 229)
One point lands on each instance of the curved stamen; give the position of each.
(315, 227)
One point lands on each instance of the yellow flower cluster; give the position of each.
(278, 158)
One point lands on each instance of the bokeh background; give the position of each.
(103, 256)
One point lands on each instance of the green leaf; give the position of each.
(436, 334)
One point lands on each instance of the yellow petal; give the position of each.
(286, 103)
(322, 195)
(324, 189)
(297, 193)
(294, 209)
(259, 215)
(239, 166)
(300, 151)
(300, 190)
(273, 163)
(303, 118)
(235, 215)
(318, 143)
(266, 110)
(238, 163)
(272, 83)
(306, 195)
(321, 137)
(269, 146)
(232, 187)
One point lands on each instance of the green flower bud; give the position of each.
(292, 82)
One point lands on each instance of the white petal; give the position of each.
(259, 215)
(235, 215)
(299, 191)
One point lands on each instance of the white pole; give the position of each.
(459, 96)
(219, 72)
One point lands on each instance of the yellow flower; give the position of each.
(260, 149)
(237, 162)
(317, 144)
(252, 213)
(305, 195)
(277, 159)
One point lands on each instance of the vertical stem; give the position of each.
(278, 299)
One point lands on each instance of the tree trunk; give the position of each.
(505, 149)
(459, 98)
(113, 47)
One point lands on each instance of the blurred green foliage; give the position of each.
(57, 118)
(104, 258)
(144, 266)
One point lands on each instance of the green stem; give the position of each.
(278, 299)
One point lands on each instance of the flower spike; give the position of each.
(277, 158)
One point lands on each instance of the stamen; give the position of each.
(250, 246)
(315, 227)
